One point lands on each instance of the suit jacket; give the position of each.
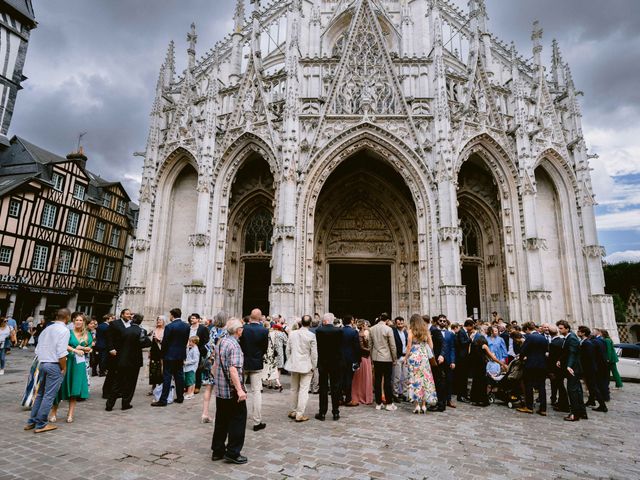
(203, 338)
(448, 347)
(571, 354)
(115, 333)
(534, 350)
(101, 336)
(462, 345)
(383, 345)
(588, 352)
(555, 354)
(329, 340)
(601, 357)
(396, 336)
(302, 351)
(175, 339)
(130, 351)
(254, 343)
(438, 341)
(507, 339)
(350, 346)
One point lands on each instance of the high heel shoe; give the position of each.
(424, 409)
(69, 419)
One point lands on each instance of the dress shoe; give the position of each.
(240, 459)
(47, 428)
(215, 457)
(450, 404)
(601, 408)
(336, 416)
(302, 419)
(127, 407)
(571, 418)
(179, 401)
(524, 410)
(158, 404)
(258, 427)
(320, 417)
(590, 404)
(584, 416)
(109, 407)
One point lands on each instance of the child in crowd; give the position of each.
(190, 366)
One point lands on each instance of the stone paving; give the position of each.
(170, 443)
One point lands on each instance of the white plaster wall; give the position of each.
(182, 223)
(554, 257)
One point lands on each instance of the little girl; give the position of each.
(190, 367)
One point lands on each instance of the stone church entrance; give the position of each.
(257, 278)
(359, 289)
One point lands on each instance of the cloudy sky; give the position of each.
(92, 66)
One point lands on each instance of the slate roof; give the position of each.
(23, 8)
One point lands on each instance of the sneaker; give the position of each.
(189, 397)
(240, 459)
(2, 372)
(379, 406)
(391, 407)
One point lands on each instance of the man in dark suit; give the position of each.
(589, 353)
(350, 356)
(174, 352)
(534, 353)
(461, 374)
(254, 343)
(602, 364)
(203, 335)
(126, 342)
(559, 398)
(571, 367)
(113, 341)
(330, 364)
(439, 373)
(449, 354)
(400, 370)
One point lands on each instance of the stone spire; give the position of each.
(238, 16)
(192, 38)
(536, 36)
(168, 69)
(557, 65)
(479, 20)
(237, 41)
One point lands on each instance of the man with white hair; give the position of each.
(231, 396)
(330, 363)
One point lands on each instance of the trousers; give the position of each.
(300, 392)
(229, 428)
(382, 375)
(535, 378)
(329, 377)
(576, 397)
(254, 392)
(50, 381)
(172, 369)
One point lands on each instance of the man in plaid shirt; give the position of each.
(231, 396)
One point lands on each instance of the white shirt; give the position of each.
(4, 334)
(126, 324)
(53, 342)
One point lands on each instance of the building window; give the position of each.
(258, 233)
(115, 237)
(58, 181)
(72, 223)
(49, 215)
(14, 207)
(64, 262)
(40, 257)
(122, 207)
(92, 269)
(5, 255)
(106, 200)
(98, 235)
(470, 237)
(109, 268)
(78, 191)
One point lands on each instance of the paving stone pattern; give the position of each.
(170, 443)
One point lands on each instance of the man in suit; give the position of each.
(330, 365)
(302, 358)
(174, 352)
(602, 363)
(101, 343)
(383, 355)
(202, 332)
(449, 354)
(400, 373)
(461, 376)
(534, 353)
(350, 357)
(570, 365)
(559, 398)
(113, 340)
(439, 373)
(254, 343)
(125, 341)
(589, 353)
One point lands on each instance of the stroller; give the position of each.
(506, 387)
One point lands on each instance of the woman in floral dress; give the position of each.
(422, 388)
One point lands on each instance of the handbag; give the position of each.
(433, 362)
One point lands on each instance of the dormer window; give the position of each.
(79, 191)
(58, 181)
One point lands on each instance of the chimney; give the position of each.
(79, 157)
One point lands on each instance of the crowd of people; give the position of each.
(428, 361)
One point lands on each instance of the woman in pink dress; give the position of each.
(362, 386)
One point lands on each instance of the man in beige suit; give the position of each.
(302, 358)
(383, 354)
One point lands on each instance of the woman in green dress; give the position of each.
(612, 357)
(75, 384)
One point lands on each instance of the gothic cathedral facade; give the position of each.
(360, 156)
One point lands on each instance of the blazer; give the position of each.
(254, 342)
(175, 339)
(462, 344)
(383, 345)
(203, 338)
(396, 336)
(534, 350)
(302, 351)
(448, 347)
(601, 357)
(555, 354)
(438, 341)
(350, 346)
(329, 340)
(101, 336)
(130, 350)
(115, 332)
(571, 354)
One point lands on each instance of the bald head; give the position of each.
(255, 316)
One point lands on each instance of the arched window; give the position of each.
(258, 232)
(470, 237)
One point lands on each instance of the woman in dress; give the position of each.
(155, 353)
(498, 348)
(422, 388)
(75, 384)
(362, 386)
(270, 374)
(612, 357)
(280, 344)
(479, 355)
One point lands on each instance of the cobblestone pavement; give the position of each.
(168, 443)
